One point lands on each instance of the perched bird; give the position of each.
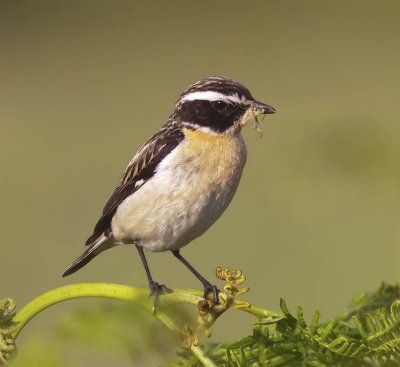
(182, 179)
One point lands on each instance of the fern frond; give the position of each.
(380, 331)
(366, 336)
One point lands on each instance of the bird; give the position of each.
(181, 180)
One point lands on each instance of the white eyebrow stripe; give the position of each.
(214, 96)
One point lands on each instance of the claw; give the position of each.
(209, 288)
(155, 290)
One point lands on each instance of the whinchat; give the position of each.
(182, 179)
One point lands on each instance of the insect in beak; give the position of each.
(256, 108)
(260, 108)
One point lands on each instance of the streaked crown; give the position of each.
(216, 104)
(219, 84)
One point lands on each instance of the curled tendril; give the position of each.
(209, 312)
(7, 327)
(189, 337)
(233, 279)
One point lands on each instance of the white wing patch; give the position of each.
(139, 183)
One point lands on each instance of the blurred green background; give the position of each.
(84, 83)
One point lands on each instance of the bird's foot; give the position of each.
(209, 288)
(155, 290)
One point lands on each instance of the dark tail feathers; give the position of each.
(99, 245)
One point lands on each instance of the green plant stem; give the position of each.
(122, 293)
(260, 312)
(199, 354)
(104, 290)
(73, 291)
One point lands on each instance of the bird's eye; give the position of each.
(220, 105)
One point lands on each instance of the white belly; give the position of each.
(187, 194)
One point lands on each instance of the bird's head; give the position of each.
(219, 105)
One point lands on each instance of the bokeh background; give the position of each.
(84, 83)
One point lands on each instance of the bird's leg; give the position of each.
(155, 288)
(208, 287)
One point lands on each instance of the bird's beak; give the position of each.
(261, 108)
